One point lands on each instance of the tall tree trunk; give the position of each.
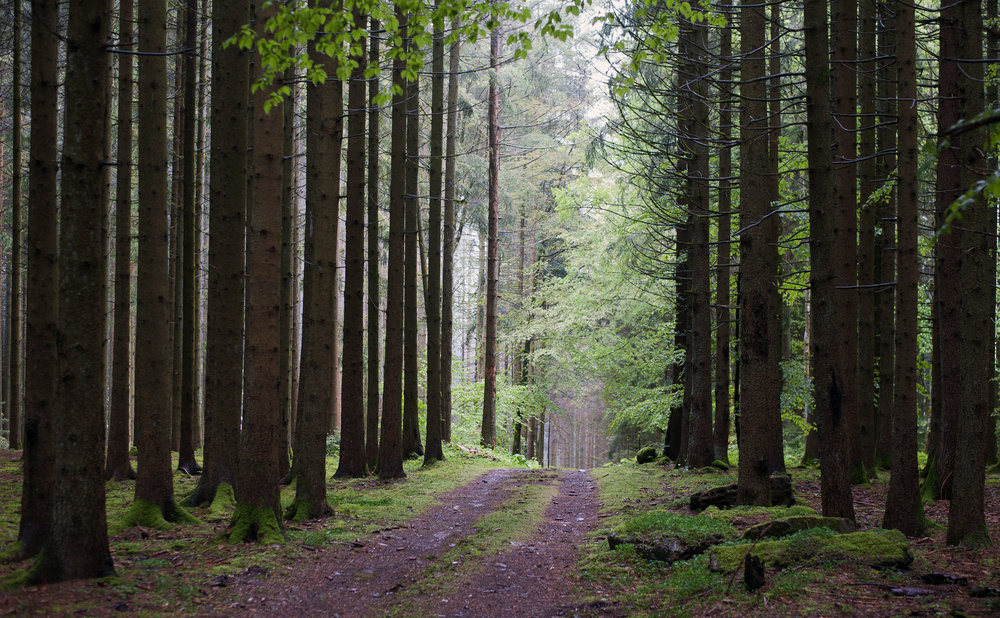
(226, 253)
(390, 448)
(353, 459)
(700, 450)
(845, 222)
(433, 450)
(966, 516)
(886, 137)
(258, 505)
(723, 259)
(489, 430)
(411, 388)
(154, 489)
(42, 293)
(760, 307)
(324, 133)
(374, 315)
(78, 545)
(828, 382)
(903, 510)
(868, 184)
(118, 466)
(187, 283)
(948, 272)
(14, 399)
(448, 248)
(288, 307)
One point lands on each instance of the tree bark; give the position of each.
(966, 516)
(760, 307)
(433, 451)
(118, 466)
(448, 248)
(353, 460)
(258, 505)
(374, 314)
(489, 437)
(42, 292)
(903, 510)
(78, 547)
(390, 448)
(828, 381)
(412, 446)
(226, 252)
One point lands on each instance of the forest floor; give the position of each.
(470, 537)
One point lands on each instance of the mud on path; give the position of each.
(432, 567)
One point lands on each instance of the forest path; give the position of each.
(504, 544)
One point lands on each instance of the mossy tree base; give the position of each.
(255, 525)
(149, 515)
(224, 502)
(302, 510)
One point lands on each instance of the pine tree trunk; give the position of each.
(14, 399)
(118, 465)
(886, 296)
(374, 315)
(433, 306)
(189, 354)
(41, 314)
(903, 508)
(78, 544)
(390, 452)
(489, 435)
(412, 446)
(226, 253)
(828, 382)
(966, 516)
(153, 352)
(353, 459)
(324, 133)
(288, 307)
(760, 306)
(258, 506)
(448, 244)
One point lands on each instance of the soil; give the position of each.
(531, 579)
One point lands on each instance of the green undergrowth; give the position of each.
(659, 524)
(878, 548)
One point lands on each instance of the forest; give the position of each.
(262, 260)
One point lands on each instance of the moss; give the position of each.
(302, 510)
(12, 553)
(785, 527)
(646, 454)
(663, 524)
(879, 548)
(720, 465)
(252, 524)
(930, 488)
(224, 502)
(149, 515)
(753, 512)
(859, 475)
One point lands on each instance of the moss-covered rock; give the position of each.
(661, 535)
(740, 513)
(878, 548)
(784, 527)
(646, 454)
(720, 465)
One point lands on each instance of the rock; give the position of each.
(666, 549)
(646, 454)
(784, 527)
(753, 573)
(878, 548)
(782, 494)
